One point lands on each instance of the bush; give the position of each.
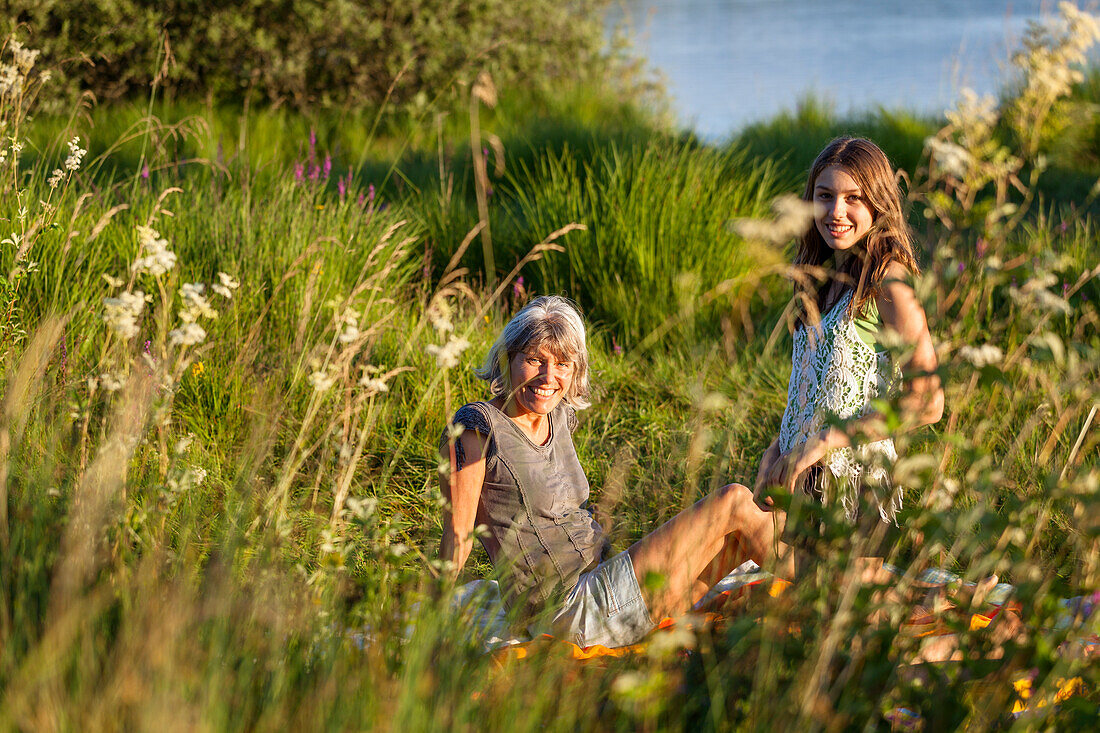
(310, 52)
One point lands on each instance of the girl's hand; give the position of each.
(767, 462)
(789, 467)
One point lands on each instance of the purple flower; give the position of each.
(145, 171)
(328, 166)
(314, 172)
(615, 348)
(1065, 288)
(983, 247)
(362, 200)
(517, 287)
(962, 267)
(299, 172)
(370, 192)
(312, 145)
(342, 188)
(1064, 226)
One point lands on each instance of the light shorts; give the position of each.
(606, 607)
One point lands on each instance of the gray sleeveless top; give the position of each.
(534, 501)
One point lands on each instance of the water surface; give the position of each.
(730, 62)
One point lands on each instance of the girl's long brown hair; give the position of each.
(888, 240)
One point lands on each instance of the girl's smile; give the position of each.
(842, 215)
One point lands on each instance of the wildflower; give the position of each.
(517, 287)
(198, 369)
(981, 356)
(24, 57)
(326, 169)
(362, 508)
(349, 334)
(158, 259)
(56, 177)
(952, 159)
(299, 172)
(373, 384)
(188, 334)
(439, 313)
(195, 304)
(447, 355)
(225, 286)
(122, 313)
(322, 380)
(112, 383)
(145, 172)
(11, 81)
(76, 154)
(792, 218)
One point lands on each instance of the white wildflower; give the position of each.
(184, 443)
(111, 382)
(322, 380)
(56, 177)
(195, 304)
(793, 217)
(362, 508)
(24, 57)
(122, 313)
(952, 159)
(349, 334)
(158, 259)
(225, 285)
(447, 355)
(981, 356)
(439, 313)
(11, 81)
(76, 154)
(114, 282)
(188, 334)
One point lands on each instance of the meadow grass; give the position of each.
(239, 533)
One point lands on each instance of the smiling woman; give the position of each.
(514, 469)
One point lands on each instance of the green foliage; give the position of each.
(239, 533)
(332, 53)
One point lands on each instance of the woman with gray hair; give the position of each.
(514, 470)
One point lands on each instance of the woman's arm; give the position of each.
(462, 490)
(921, 400)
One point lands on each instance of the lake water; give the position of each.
(729, 62)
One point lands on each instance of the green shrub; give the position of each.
(311, 52)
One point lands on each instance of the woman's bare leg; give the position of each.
(709, 539)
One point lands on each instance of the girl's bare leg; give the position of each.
(708, 540)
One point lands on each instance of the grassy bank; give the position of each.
(236, 530)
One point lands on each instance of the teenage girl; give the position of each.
(860, 240)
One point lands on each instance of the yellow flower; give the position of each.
(197, 369)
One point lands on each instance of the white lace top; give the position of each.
(834, 373)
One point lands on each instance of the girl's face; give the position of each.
(540, 379)
(842, 215)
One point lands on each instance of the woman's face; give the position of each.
(842, 214)
(540, 379)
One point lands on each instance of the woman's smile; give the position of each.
(541, 379)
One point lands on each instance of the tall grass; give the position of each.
(240, 533)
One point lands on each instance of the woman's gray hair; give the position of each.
(549, 321)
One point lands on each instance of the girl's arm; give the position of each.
(921, 400)
(462, 490)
